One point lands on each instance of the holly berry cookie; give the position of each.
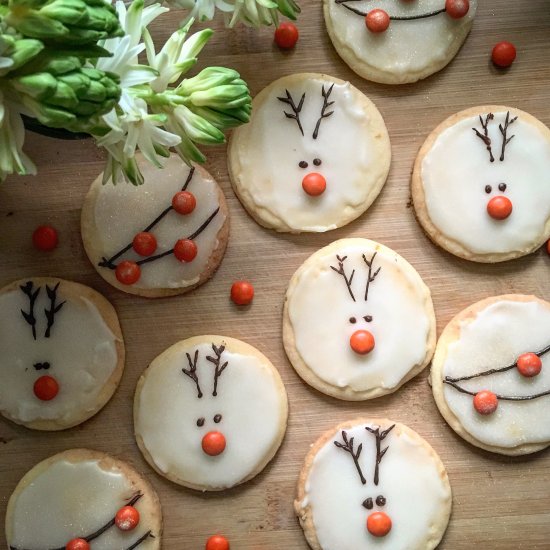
(314, 156)
(210, 412)
(398, 41)
(373, 484)
(481, 184)
(62, 353)
(81, 500)
(162, 238)
(358, 320)
(491, 374)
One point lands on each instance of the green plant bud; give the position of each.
(23, 51)
(288, 8)
(38, 86)
(221, 97)
(207, 79)
(228, 118)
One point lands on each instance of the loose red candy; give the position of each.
(213, 443)
(46, 388)
(377, 20)
(286, 35)
(77, 544)
(548, 247)
(128, 272)
(217, 542)
(457, 8)
(379, 524)
(242, 293)
(485, 402)
(529, 364)
(184, 202)
(144, 243)
(503, 54)
(45, 238)
(185, 250)
(127, 518)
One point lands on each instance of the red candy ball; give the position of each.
(379, 524)
(314, 184)
(548, 247)
(185, 250)
(213, 443)
(128, 272)
(127, 518)
(242, 293)
(377, 20)
(529, 364)
(362, 342)
(77, 544)
(46, 388)
(286, 35)
(45, 238)
(503, 54)
(499, 207)
(485, 402)
(144, 243)
(184, 202)
(217, 542)
(457, 8)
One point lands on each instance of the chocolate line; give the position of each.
(50, 313)
(503, 131)
(347, 446)
(109, 262)
(295, 115)
(140, 540)
(192, 373)
(326, 105)
(392, 17)
(29, 317)
(494, 371)
(217, 368)
(500, 397)
(370, 276)
(379, 451)
(485, 136)
(341, 271)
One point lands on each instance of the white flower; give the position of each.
(203, 10)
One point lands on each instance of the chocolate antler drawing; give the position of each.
(371, 276)
(380, 436)
(326, 105)
(32, 295)
(347, 446)
(27, 289)
(503, 130)
(295, 115)
(348, 280)
(191, 372)
(50, 313)
(218, 369)
(340, 271)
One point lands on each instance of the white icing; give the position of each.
(81, 351)
(493, 339)
(71, 500)
(409, 479)
(320, 309)
(249, 399)
(457, 168)
(408, 49)
(122, 211)
(271, 178)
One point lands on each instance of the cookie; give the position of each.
(421, 39)
(373, 484)
(210, 412)
(83, 494)
(358, 321)
(491, 374)
(61, 352)
(183, 212)
(481, 184)
(314, 156)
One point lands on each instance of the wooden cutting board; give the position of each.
(498, 502)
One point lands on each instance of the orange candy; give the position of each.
(377, 20)
(485, 402)
(548, 247)
(217, 542)
(457, 8)
(77, 544)
(314, 184)
(184, 202)
(362, 342)
(128, 272)
(529, 364)
(213, 443)
(144, 243)
(185, 250)
(379, 524)
(46, 388)
(499, 207)
(127, 518)
(242, 293)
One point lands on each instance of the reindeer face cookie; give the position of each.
(491, 374)
(61, 353)
(373, 484)
(210, 412)
(481, 184)
(358, 320)
(314, 156)
(395, 42)
(83, 495)
(162, 238)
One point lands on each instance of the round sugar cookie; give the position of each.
(210, 412)
(79, 494)
(358, 321)
(421, 39)
(371, 483)
(499, 345)
(113, 215)
(314, 156)
(481, 184)
(61, 352)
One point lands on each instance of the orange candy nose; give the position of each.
(314, 184)
(379, 524)
(499, 207)
(46, 388)
(213, 443)
(362, 342)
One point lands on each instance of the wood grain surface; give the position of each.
(498, 502)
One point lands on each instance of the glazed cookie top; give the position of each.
(76, 494)
(421, 38)
(114, 214)
(60, 345)
(359, 320)
(210, 412)
(314, 156)
(487, 348)
(485, 176)
(373, 484)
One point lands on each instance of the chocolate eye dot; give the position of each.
(218, 418)
(502, 187)
(317, 162)
(367, 503)
(200, 422)
(303, 164)
(352, 320)
(380, 500)
(368, 318)
(488, 189)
